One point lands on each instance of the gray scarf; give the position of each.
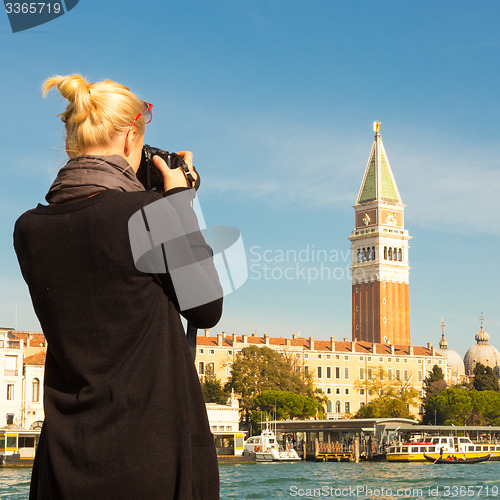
(87, 175)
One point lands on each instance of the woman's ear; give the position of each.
(130, 140)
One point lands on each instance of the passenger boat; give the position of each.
(451, 460)
(266, 448)
(462, 447)
(17, 446)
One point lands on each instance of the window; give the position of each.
(337, 356)
(357, 308)
(10, 366)
(320, 372)
(346, 373)
(400, 255)
(36, 390)
(347, 407)
(380, 360)
(328, 390)
(389, 360)
(319, 356)
(419, 361)
(328, 372)
(361, 404)
(201, 351)
(10, 391)
(337, 372)
(369, 374)
(389, 374)
(381, 374)
(306, 355)
(297, 355)
(337, 390)
(405, 375)
(357, 327)
(419, 375)
(201, 368)
(338, 407)
(361, 392)
(229, 352)
(397, 360)
(398, 375)
(328, 356)
(385, 253)
(210, 368)
(346, 391)
(428, 361)
(405, 360)
(361, 373)
(346, 358)
(306, 370)
(211, 351)
(361, 358)
(385, 320)
(384, 301)
(368, 358)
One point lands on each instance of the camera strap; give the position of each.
(191, 333)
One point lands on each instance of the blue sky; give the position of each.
(276, 99)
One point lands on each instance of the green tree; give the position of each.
(394, 397)
(453, 405)
(485, 378)
(213, 392)
(285, 405)
(258, 369)
(434, 382)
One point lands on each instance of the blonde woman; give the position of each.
(124, 412)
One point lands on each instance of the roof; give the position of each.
(310, 344)
(36, 339)
(35, 359)
(378, 182)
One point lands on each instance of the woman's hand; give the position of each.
(174, 178)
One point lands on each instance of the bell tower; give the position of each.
(379, 249)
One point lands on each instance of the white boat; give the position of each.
(266, 448)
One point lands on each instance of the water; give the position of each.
(309, 480)
(366, 480)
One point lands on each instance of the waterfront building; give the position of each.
(225, 425)
(454, 360)
(482, 352)
(11, 378)
(379, 253)
(336, 366)
(32, 412)
(22, 360)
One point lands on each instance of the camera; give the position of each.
(151, 178)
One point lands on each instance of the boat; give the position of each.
(17, 446)
(266, 448)
(460, 446)
(456, 460)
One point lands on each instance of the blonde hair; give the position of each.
(96, 113)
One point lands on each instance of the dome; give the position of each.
(483, 353)
(453, 359)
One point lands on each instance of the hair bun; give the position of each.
(76, 90)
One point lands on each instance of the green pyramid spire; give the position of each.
(378, 181)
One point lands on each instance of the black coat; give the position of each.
(124, 412)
